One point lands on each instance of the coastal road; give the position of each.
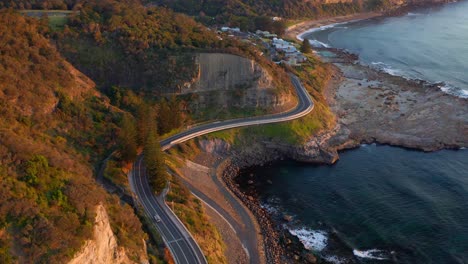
(305, 106)
(183, 247)
(180, 242)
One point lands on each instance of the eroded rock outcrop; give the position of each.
(226, 80)
(103, 248)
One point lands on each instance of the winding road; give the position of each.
(183, 247)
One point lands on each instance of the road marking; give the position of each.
(297, 112)
(157, 205)
(151, 205)
(216, 211)
(177, 240)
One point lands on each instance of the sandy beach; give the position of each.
(296, 30)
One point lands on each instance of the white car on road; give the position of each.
(157, 218)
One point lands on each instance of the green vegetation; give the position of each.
(114, 173)
(305, 47)
(245, 13)
(190, 211)
(54, 128)
(57, 23)
(155, 163)
(288, 8)
(149, 50)
(49, 5)
(128, 139)
(217, 113)
(314, 75)
(122, 43)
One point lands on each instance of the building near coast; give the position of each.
(266, 34)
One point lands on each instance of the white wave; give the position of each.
(317, 43)
(391, 71)
(269, 208)
(370, 254)
(312, 239)
(444, 87)
(413, 14)
(447, 88)
(335, 259)
(388, 69)
(300, 36)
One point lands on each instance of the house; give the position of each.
(226, 29)
(266, 34)
(270, 35)
(291, 61)
(298, 57)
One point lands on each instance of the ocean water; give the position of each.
(429, 44)
(378, 204)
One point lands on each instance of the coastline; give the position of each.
(372, 107)
(410, 100)
(297, 30)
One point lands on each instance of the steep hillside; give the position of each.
(228, 84)
(54, 127)
(123, 43)
(103, 247)
(235, 11)
(42, 4)
(153, 51)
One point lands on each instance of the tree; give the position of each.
(279, 27)
(146, 121)
(305, 48)
(128, 139)
(155, 163)
(263, 23)
(169, 115)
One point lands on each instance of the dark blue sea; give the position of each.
(428, 44)
(378, 204)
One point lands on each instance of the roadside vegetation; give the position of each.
(54, 129)
(190, 211)
(314, 75)
(57, 125)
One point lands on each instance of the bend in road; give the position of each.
(179, 241)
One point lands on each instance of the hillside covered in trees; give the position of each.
(54, 128)
(57, 127)
(125, 44)
(238, 10)
(40, 4)
(149, 50)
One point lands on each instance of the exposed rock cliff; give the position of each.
(103, 248)
(226, 80)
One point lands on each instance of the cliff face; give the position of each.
(103, 248)
(226, 80)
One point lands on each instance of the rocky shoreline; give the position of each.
(372, 106)
(279, 245)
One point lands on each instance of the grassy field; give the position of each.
(57, 18)
(57, 23)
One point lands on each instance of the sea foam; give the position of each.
(370, 254)
(447, 88)
(335, 259)
(315, 240)
(311, 30)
